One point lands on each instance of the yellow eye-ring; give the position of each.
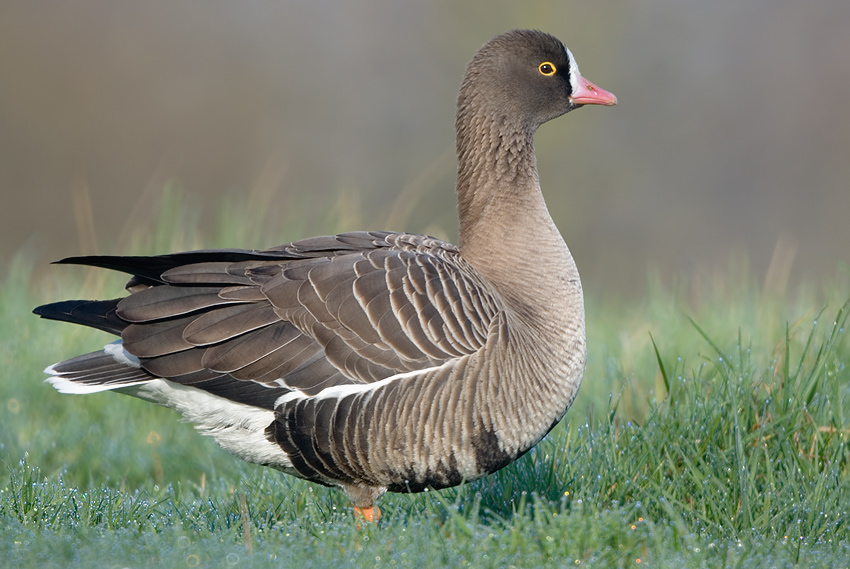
(547, 68)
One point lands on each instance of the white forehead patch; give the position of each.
(574, 72)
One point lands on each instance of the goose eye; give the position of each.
(546, 68)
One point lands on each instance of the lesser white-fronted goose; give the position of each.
(374, 361)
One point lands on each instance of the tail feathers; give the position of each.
(100, 314)
(110, 368)
(115, 368)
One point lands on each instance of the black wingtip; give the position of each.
(67, 261)
(98, 314)
(102, 261)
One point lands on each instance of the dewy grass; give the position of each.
(708, 433)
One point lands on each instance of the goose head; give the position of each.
(523, 78)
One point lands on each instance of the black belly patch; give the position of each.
(488, 453)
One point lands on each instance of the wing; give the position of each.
(328, 311)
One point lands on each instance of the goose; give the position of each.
(374, 361)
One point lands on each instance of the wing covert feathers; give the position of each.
(388, 317)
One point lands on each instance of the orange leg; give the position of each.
(372, 514)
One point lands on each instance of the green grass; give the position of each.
(712, 430)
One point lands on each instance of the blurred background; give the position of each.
(731, 139)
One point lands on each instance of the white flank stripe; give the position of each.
(340, 391)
